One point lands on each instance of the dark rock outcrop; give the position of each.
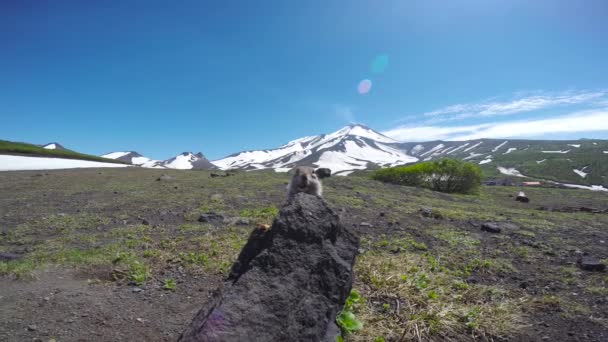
(589, 263)
(288, 283)
(323, 172)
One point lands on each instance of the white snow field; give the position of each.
(18, 163)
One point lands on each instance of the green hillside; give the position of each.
(18, 148)
(553, 160)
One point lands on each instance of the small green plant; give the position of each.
(169, 284)
(138, 273)
(347, 321)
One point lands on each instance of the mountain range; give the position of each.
(357, 147)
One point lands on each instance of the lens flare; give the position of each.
(379, 64)
(364, 87)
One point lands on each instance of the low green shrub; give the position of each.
(446, 175)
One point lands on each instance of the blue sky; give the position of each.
(163, 77)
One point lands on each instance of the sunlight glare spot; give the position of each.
(364, 87)
(379, 64)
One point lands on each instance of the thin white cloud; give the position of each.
(519, 104)
(345, 112)
(583, 121)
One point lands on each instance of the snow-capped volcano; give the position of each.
(53, 146)
(134, 158)
(183, 161)
(353, 147)
(188, 161)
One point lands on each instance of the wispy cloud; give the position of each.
(345, 112)
(519, 103)
(583, 121)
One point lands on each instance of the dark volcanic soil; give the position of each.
(95, 248)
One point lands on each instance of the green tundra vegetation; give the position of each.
(445, 175)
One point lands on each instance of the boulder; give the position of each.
(521, 197)
(288, 283)
(490, 227)
(323, 172)
(589, 263)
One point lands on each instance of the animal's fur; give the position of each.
(304, 180)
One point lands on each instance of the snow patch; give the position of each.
(458, 148)
(499, 146)
(418, 148)
(16, 163)
(438, 147)
(575, 145)
(472, 147)
(580, 173)
(592, 187)
(556, 151)
(50, 146)
(473, 155)
(510, 171)
(540, 161)
(485, 161)
(511, 149)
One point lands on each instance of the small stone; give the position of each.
(9, 257)
(32, 327)
(145, 222)
(428, 212)
(211, 218)
(490, 227)
(164, 178)
(366, 224)
(137, 289)
(545, 338)
(46, 299)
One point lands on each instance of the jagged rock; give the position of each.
(288, 283)
(323, 172)
(490, 227)
(211, 218)
(589, 263)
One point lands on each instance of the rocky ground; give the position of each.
(118, 254)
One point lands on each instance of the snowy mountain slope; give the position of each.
(134, 158)
(353, 147)
(183, 161)
(188, 161)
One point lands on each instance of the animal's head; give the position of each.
(305, 177)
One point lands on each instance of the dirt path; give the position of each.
(62, 305)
